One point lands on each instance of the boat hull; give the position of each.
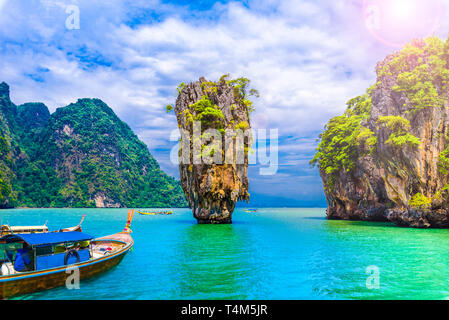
(19, 284)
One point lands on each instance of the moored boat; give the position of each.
(39, 261)
(74, 228)
(155, 213)
(250, 210)
(6, 229)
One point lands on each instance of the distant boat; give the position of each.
(31, 262)
(250, 210)
(6, 229)
(155, 213)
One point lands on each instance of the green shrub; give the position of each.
(367, 138)
(443, 159)
(339, 147)
(443, 162)
(403, 139)
(207, 112)
(395, 123)
(241, 92)
(180, 87)
(421, 71)
(242, 125)
(399, 127)
(420, 201)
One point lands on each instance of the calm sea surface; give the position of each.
(272, 254)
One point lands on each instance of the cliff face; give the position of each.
(7, 115)
(217, 109)
(386, 158)
(82, 155)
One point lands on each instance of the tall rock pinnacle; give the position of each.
(213, 118)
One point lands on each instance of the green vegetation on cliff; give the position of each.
(443, 166)
(421, 72)
(345, 139)
(398, 178)
(420, 201)
(7, 146)
(83, 155)
(7, 197)
(399, 128)
(209, 114)
(443, 160)
(242, 93)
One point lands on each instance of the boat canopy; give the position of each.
(17, 229)
(38, 239)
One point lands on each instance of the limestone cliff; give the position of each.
(213, 175)
(7, 149)
(82, 155)
(387, 157)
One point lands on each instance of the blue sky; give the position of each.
(307, 58)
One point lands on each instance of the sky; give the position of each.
(306, 58)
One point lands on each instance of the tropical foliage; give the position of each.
(81, 153)
(421, 70)
(420, 201)
(210, 115)
(345, 139)
(7, 112)
(399, 128)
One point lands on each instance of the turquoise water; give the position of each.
(271, 254)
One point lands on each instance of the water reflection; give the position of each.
(213, 261)
(408, 260)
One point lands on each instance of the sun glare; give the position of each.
(402, 9)
(396, 22)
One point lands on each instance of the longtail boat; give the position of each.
(6, 229)
(75, 228)
(39, 261)
(155, 213)
(250, 210)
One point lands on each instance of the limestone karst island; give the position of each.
(214, 185)
(387, 157)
